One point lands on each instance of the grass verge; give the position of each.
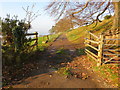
(108, 72)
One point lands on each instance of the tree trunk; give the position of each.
(116, 21)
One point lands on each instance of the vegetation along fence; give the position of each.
(35, 39)
(104, 49)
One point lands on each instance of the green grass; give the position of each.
(76, 34)
(108, 72)
(80, 52)
(44, 38)
(41, 41)
(64, 71)
(61, 51)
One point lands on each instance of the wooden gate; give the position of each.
(103, 49)
(34, 39)
(111, 49)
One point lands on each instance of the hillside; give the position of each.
(78, 34)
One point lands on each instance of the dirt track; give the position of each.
(45, 76)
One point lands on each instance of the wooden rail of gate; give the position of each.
(97, 43)
(89, 42)
(35, 39)
(112, 53)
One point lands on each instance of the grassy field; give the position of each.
(43, 39)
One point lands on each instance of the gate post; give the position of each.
(100, 48)
(90, 37)
(36, 40)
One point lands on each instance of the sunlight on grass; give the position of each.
(64, 71)
(60, 51)
(42, 41)
(108, 72)
(76, 34)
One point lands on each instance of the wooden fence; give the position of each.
(103, 49)
(35, 44)
(45, 39)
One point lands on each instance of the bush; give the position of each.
(15, 42)
(107, 17)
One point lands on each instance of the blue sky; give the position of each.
(41, 24)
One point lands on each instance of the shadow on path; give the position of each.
(61, 53)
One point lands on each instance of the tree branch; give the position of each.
(97, 18)
(82, 8)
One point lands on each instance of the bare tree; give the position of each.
(30, 14)
(62, 25)
(90, 11)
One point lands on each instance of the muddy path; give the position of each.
(63, 42)
(46, 74)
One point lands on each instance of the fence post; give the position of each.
(90, 37)
(100, 52)
(36, 40)
(48, 37)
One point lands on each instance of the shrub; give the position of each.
(107, 17)
(15, 43)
